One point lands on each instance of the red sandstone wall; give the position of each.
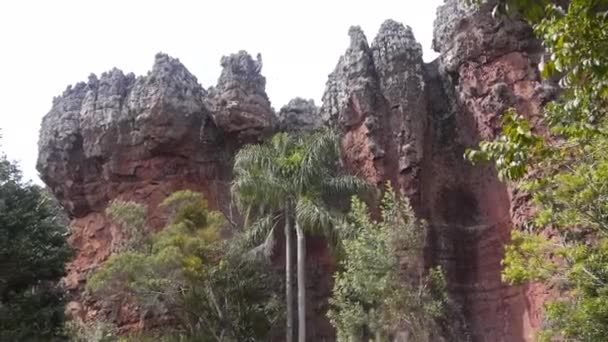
(143, 138)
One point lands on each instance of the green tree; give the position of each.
(565, 171)
(297, 179)
(213, 291)
(33, 253)
(373, 294)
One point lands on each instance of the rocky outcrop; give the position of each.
(376, 97)
(239, 103)
(491, 65)
(401, 120)
(411, 123)
(142, 138)
(299, 115)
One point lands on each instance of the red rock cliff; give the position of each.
(141, 138)
(411, 123)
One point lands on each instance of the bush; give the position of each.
(372, 298)
(212, 291)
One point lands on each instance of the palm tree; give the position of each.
(297, 179)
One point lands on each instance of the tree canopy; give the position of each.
(33, 253)
(373, 295)
(305, 170)
(189, 274)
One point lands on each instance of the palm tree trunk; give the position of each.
(301, 284)
(288, 272)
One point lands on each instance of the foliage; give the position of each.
(305, 170)
(565, 171)
(78, 331)
(371, 295)
(512, 151)
(215, 293)
(131, 217)
(33, 251)
(299, 179)
(531, 10)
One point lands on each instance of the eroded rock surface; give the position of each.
(239, 103)
(490, 65)
(404, 121)
(141, 138)
(299, 115)
(376, 97)
(411, 123)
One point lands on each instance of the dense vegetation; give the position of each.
(297, 179)
(197, 281)
(566, 171)
(207, 287)
(33, 253)
(188, 275)
(373, 295)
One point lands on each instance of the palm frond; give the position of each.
(321, 159)
(282, 142)
(257, 187)
(323, 148)
(314, 217)
(254, 157)
(259, 237)
(346, 186)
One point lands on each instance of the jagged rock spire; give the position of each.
(239, 102)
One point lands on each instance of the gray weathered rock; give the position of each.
(239, 102)
(377, 94)
(354, 74)
(465, 33)
(299, 115)
(104, 129)
(449, 16)
(398, 60)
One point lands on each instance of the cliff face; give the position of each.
(376, 96)
(411, 123)
(488, 65)
(404, 121)
(142, 138)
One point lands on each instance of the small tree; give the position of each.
(373, 296)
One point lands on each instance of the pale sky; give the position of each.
(46, 45)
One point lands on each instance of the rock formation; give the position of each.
(404, 121)
(411, 123)
(142, 138)
(299, 115)
(376, 96)
(239, 103)
(490, 65)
